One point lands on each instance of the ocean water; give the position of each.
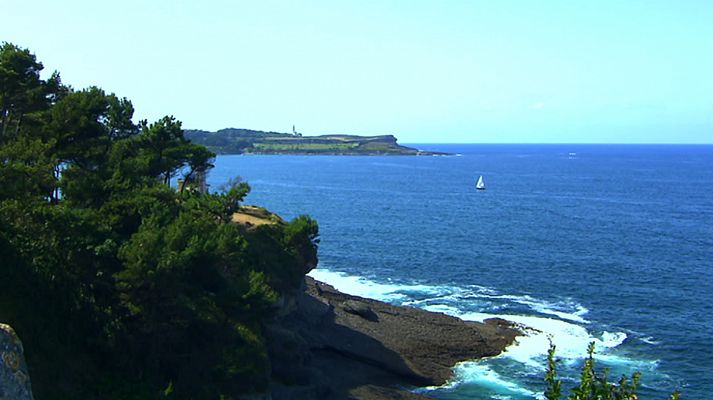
(580, 243)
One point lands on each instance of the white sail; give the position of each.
(480, 185)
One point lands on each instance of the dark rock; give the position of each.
(289, 355)
(348, 347)
(14, 380)
(360, 309)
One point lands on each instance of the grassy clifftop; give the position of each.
(246, 141)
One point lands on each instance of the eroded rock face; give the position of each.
(14, 379)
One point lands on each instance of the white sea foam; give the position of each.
(571, 339)
(633, 364)
(360, 286)
(363, 287)
(442, 298)
(485, 376)
(482, 290)
(565, 310)
(650, 340)
(612, 339)
(572, 316)
(442, 308)
(566, 331)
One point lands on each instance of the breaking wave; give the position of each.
(543, 321)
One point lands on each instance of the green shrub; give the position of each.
(592, 386)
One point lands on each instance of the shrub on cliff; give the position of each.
(119, 285)
(592, 385)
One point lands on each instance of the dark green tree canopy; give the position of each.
(22, 91)
(120, 285)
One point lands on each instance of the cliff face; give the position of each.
(14, 380)
(337, 346)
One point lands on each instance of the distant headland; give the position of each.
(247, 141)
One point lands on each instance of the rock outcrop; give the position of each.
(14, 379)
(337, 346)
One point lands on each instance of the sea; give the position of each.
(610, 244)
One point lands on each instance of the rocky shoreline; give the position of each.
(330, 345)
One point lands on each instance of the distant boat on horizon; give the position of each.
(480, 185)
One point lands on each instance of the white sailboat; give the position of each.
(480, 185)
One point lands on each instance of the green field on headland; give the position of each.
(246, 141)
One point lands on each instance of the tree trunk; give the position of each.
(17, 125)
(186, 180)
(5, 120)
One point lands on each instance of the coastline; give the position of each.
(330, 345)
(419, 153)
(248, 141)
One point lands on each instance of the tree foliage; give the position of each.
(120, 286)
(21, 89)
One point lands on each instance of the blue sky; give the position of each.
(426, 71)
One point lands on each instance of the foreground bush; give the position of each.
(592, 386)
